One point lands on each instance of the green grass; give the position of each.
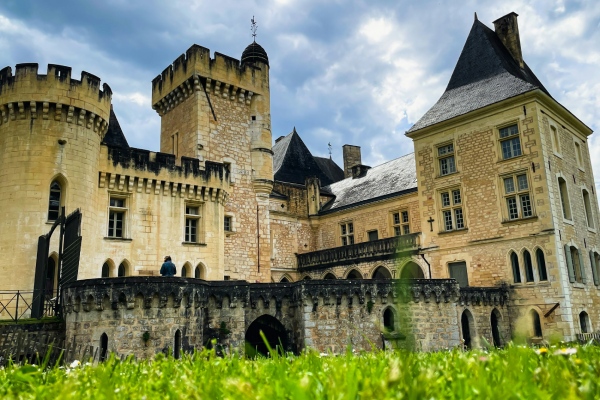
(28, 321)
(512, 373)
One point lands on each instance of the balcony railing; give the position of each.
(375, 250)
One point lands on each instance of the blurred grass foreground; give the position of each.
(516, 372)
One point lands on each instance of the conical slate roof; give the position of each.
(293, 162)
(114, 135)
(485, 73)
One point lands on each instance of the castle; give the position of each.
(493, 218)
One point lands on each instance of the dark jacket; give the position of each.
(168, 269)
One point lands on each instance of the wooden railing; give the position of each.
(586, 337)
(366, 251)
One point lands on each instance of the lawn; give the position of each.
(512, 373)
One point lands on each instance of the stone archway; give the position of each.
(412, 270)
(275, 334)
(467, 325)
(495, 322)
(382, 273)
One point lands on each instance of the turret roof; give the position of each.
(293, 162)
(114, 135)
(486, 73)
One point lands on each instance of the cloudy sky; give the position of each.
(342, 71)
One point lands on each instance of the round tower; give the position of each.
(51, 127)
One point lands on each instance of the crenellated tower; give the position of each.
(51, 127)
(218, 109)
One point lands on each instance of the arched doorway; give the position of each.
(468, 331)
(103, 347)
(354, 274)
(495, 322)
(537, 324)
(177, 345)
(584, 322)
(275, 335)
(412, 271)
(389, 320)
(382, 273)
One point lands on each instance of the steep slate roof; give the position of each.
(386, 180)
(114, 135)
(485, 73)
(293, 163)
(330, 168)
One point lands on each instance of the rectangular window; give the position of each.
(555, 139)
(228, 225)
(452, 212)
(373, 235)
(564, 198)
(446, 159)
(517, 196)
(510, 143)
(587, 205)
(117, 212)
(192, 222)
(347, 233)
(401, 223)
(458, 271)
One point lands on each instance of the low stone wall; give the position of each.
(147, 315)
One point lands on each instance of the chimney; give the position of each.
(507, 30)
(351, 158)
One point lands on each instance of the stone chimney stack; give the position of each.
(351, 158)
(507, 30)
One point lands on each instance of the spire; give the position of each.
(476, 17)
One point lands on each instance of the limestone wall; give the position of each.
(324, 315)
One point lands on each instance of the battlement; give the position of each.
(132, 169)
(195, 71)
(57, 87)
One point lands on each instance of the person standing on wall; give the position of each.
(168, 268)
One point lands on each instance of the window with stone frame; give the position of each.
(446, 160)
(510, 141)
(373, 235)
(347, 233)
(117, 216)
(401, 222)
(192, 223)
(578, 155)
(564, 198)
(517, 196)
(228, 223)
(587, 205)
(451, 210)
(555, 139)
(54, 201)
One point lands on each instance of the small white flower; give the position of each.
(75, 364)
(565, 352)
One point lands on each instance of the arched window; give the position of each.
(54, 201)
(388, 320)
(105, 270)
(122, 270)
(200, 271)
(537, 324)
(528, 266)
(514, 261)
(584, 322)
(541, 264)
(284, 280)
(184, 271)
(329, 276)
(564, 198)
(197, 273)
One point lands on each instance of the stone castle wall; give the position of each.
(323, 315)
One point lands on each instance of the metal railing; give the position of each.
(16, 304)
(358, 251)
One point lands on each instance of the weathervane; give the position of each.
(253, 28)
(329, 147)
